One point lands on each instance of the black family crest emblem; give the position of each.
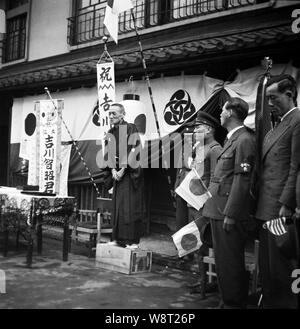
(179, 109)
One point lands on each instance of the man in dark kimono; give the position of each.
(123, 150)
(229, 207)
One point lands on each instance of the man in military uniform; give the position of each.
(277, 193)
(204, 162)
(204, 157)
(229, 206)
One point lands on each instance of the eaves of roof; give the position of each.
(167, 55)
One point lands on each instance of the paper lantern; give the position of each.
(136, 113)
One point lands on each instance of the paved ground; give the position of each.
(79, 283)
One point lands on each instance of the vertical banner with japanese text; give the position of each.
(50, 145)
(106, 95)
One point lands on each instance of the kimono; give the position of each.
(128, 215)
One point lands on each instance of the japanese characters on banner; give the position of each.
(106, 96)
(48, 145)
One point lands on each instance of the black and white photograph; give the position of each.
(150, 157)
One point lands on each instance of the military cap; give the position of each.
(203, 117)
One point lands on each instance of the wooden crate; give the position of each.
(123, 260)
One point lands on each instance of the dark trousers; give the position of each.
(181, 213)
(229, 250)
(275, 271)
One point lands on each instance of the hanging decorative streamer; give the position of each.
(106, 90)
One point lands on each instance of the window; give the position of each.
(16, 3)
(87, 23)
(88, 20)
(16, 38)
(189, 8)
(17, 14)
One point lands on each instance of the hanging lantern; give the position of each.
(135, 111)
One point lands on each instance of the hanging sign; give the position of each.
(106, 96)
(49, 145)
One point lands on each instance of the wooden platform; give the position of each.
(123, 260)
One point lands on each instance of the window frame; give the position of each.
(14, 13)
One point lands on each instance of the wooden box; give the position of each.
(123, 260)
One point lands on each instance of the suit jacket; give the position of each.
(230, 184)
(280, 164)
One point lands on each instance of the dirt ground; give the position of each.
(80, 283)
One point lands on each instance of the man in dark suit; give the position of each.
(277, 192)
(229, 206)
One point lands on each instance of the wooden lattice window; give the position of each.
(15, 42)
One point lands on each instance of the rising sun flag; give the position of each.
(111, 19)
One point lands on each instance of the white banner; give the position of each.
(176, 100)
(64, 173)
(106, 96)
(50, 145)
(174, 97)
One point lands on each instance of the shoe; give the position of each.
(132, 246)
(112, 243)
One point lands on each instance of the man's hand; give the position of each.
(228, 224)
(121, 173)
(285, 212)
(114, 174)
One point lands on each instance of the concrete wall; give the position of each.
(48, 28)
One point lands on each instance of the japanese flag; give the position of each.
(193, 190)
(113, 9)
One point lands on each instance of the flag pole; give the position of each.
(146, 71)
(150, 93)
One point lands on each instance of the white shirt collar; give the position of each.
(294, 108)
(231, 132)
